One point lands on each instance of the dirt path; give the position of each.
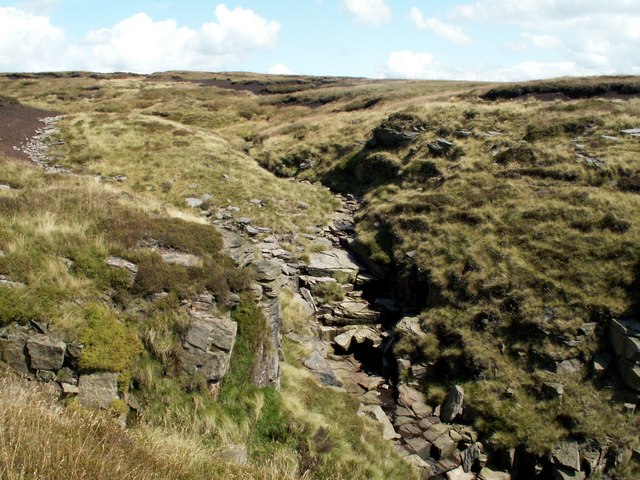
(18, 124)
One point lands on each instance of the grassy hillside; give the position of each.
(509, 226)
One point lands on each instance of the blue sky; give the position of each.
(463, 39)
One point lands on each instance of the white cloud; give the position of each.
(599, 37)
(372, 12)
(280, 69)
(137, 43)
(542, 41)
(422, 65)
(407, 64)
(450, 33)
(28, 42)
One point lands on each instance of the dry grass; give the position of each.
(41, 439)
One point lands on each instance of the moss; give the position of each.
(108, 344)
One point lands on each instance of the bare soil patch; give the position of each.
(18, 124)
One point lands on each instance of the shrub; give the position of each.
(108, 343)
(329, 292)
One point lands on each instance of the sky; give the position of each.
(497, 40)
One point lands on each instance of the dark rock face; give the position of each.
(45, 352)
(14, 353)
(391, 138)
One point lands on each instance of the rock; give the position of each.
(117, 262)
(407, 396)
(208, 346)
(69, 389)
(421, 447)
(630, 373)
(488, 474)
(420, 464)
(45, 376)
(178, 258)
(329, 262)
(460, 474)
(74, 350)
(194, 202)
(601, 363)
(409, 430)
(235, 247)
(388, 432)
(267, 270)
(559, 473)
(634, 132)
(421, 409)
(443, 447)
(6, 282)
(452, 404)
(567, 455)
(569, 366)
(45, 353)
(469, 456)
(392, 138)
(256, 201)
(98, 390)
(552, 389)
(436, 431)
(358, 336)
(14, 353)
(355, 312)
(322, 369)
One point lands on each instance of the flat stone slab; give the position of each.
(328, 262)
(178, 258)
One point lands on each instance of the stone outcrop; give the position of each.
(208, 346)
(625, 339)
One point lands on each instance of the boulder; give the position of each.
(407, 396)
(460, 474)
(421, 409)
(393, 138)
(208, 345)
(45, 352)
(552, 389)
(14, 353)
(452, 404)
(559, 473)
(567, 455)
(601, 363)
(488, 474)
(469, 456)
(194, 202)
(421, 447)
(322, 369)
(630, 373)
(443, 447)
(388, 432)
(267, 270)
(98, 390)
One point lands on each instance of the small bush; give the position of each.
(329, 292)
(108, 344)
